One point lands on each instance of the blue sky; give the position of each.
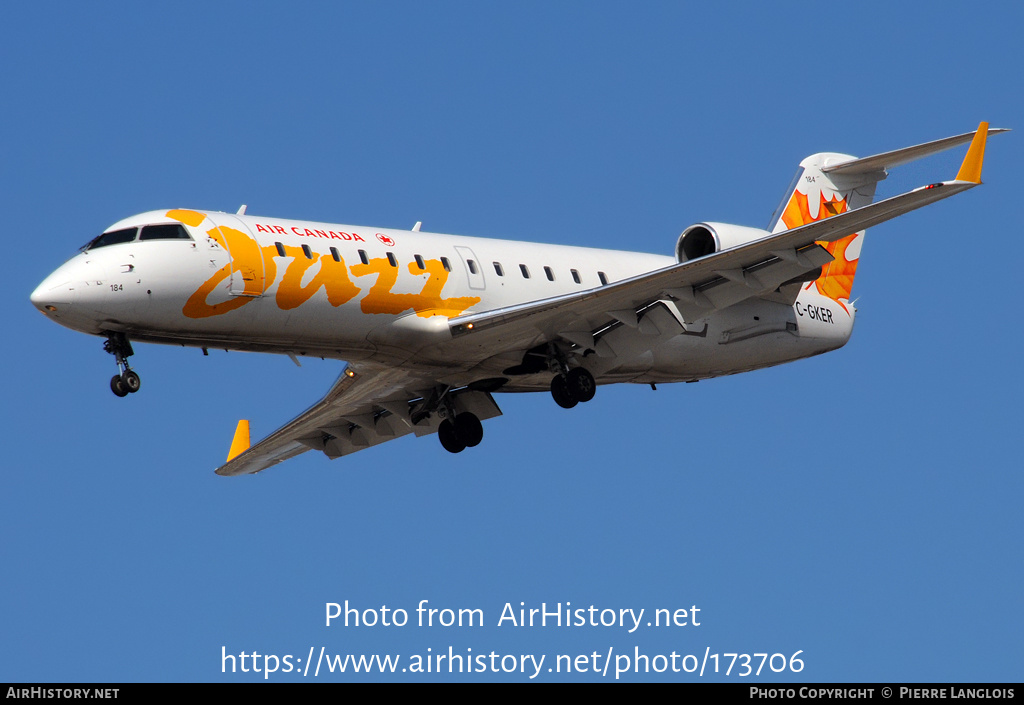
(862, 507)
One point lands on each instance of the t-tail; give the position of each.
(828, 184)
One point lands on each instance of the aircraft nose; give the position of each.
(52, 293)
(67, 298)
(56, 293)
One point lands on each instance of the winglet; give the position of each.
(970, 170)
(240, 444)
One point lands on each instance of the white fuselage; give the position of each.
(364, 294)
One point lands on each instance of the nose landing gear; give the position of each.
(128, 380)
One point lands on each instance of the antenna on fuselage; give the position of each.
(241, 210)
(416, 228)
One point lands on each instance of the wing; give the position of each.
(701, 286)
(366, 406)
(888, 160)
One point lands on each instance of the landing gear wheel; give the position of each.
(118, 345)
(582, 384)
(563, 393)
(117, 386)
(131, 381)
(469, 429)
(449, 438)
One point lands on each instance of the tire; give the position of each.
(118, 387)
(131, 380)
(449, 438)
(469, 429)
(562, 393)
(582, 384)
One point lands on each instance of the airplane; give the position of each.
(432, 326)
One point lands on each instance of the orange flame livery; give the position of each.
(836, 280)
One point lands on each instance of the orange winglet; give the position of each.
(240, 443)
(970, 170)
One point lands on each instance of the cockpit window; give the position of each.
(114, 237)
(165, 231)
(168, 231)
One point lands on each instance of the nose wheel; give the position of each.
(125, 383)
(128, 380)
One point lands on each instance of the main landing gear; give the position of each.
(464, 432)
(575, 386)
(457, 430)
(569, 387)
(128, 381)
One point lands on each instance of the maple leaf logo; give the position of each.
(836, 280)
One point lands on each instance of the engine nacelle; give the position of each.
(705, 239)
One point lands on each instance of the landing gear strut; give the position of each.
(128, 380)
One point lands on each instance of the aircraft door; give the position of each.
(248, 270)
(474, 268)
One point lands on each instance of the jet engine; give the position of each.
(708, 238)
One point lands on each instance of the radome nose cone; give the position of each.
(38, 297)
(54, 291)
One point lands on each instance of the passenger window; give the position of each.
(308, 252)
(603, 278)
(169, 231)
(392, 260)
(472, 266)
(115, 237)
(525, 271)
(363, 258)
(280, 249)
(550, 275)
(419, 262)
(446, 264)
(575, 276)
(498, 270)
(335, 254)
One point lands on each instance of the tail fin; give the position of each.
(828, 184)
(815, 195)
